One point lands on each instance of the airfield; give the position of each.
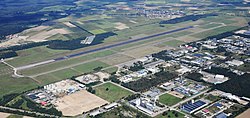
(41, 65)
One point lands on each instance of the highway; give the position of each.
(103, 48)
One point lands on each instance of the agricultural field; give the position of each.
(168, 99)
(111, 92)
(79, 102)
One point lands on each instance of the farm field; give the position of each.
(79, 102)
(111, 92)
(168, 99)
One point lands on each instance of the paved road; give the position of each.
(103, 48)
(30, 112)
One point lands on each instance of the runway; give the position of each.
(103, 48)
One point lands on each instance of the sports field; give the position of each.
(168, 99)
(111, 92)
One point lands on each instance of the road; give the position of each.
(180, 103)
(30, 112)
(103, 48)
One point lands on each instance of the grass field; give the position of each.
(211, 25)
(168, 99)
(111, 70)
(173, 43)
(64, 63)
(88, 67)
(69, 72)
(98, 31)
(215, 31)
(179, 34)
(33, 55)
(111, 92)
(171, 114)
(9, 85)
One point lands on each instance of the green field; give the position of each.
(208, 26)
(111, 70)
(180, 34)
(69, 72)
(168, 99)
(9, 85)
(173, 43)
(90, 66)
(113, 93)
(33, 55)
(215, 31)
(171, 114)
(98, 31)
(64, 63)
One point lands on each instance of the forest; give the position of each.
(144, 84)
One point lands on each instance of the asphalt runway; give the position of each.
(104, 47)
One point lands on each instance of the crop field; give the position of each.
(168, 99)
(79, 102)
(111, 92)
(98, 31)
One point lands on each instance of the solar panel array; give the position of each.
(190, 107)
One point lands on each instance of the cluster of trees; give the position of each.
(144, 84)
(7, 54)
(76, 43)
(7, 98)
(195, 76)
(162, 55)
(237, 84)
(91, 90)
(186, 18)
(137, 66)
(35, 107)
(166, 113)
(132, 97)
